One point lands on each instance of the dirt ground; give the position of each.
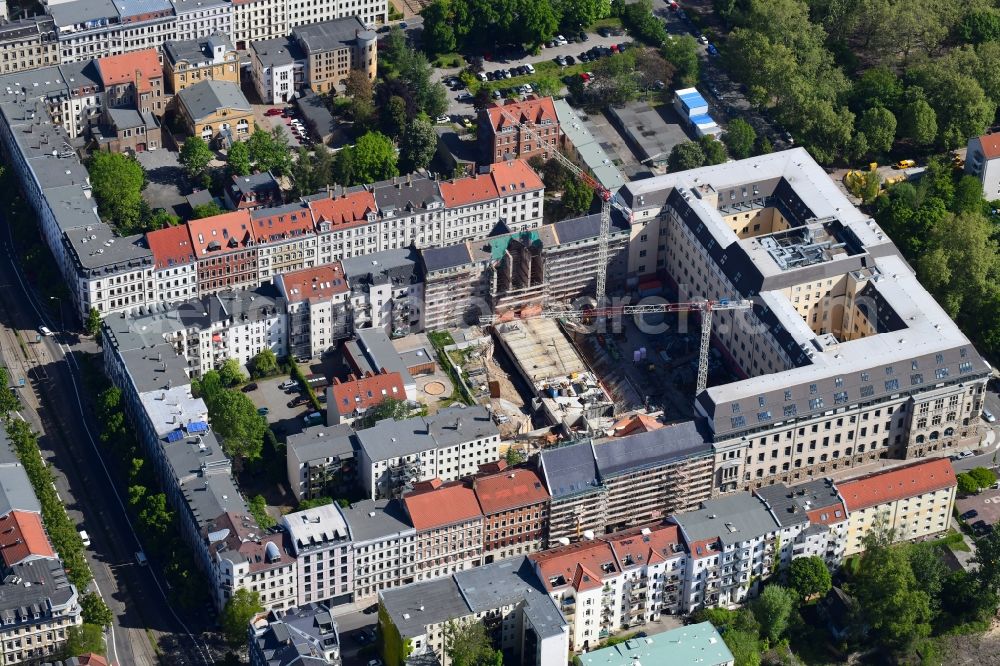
(972, 650)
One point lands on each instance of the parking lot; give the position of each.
(284, 420)
(986, 504)
(166, 177)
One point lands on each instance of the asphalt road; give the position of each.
(69, 444)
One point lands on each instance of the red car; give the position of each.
(273, 112)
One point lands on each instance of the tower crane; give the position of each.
(706, 308)
(601, 191)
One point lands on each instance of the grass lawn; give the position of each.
(610, 22)
(449, 60)
(547, 69)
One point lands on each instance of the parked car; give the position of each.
(273, 112)
(965, 454)
(140, 558)
(980, 527)
(263, 411)
(987, 414)
(298, 400)
(288, 384)
(483, 76)
(570, 60)
(969, 515)
(252, 386)
(906, 164)
(561, 61)
(45, 330)
(604, 32)
(583, 57)
(561, 41)
(442, 119)
(583, 36)
(702, 39)
(85, 538)
(530, 68)
(712, 51)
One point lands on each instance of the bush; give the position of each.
(982, 476)
(966, 484)
(297, 375)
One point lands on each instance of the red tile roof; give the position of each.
(320, 283)
(470, 190)
(634, 548)
(171, 246)
(347, 209)
(897, 483)
(22, 536)
(369, 391)
(991, 145)
(230, 231)
(582, 563)
(515, 176)
(281, 223)
(122, 68)
(636, 423)
(531, 111)
(449, 504)
(509, 489)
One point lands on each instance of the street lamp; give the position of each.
(62, 324)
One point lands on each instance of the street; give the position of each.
(52, 405)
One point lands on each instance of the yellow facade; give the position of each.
(183, 73)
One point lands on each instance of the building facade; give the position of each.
(519, 129)
(322, 546)
(188, 61)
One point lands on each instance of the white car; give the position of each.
(44, 330)
(988, 416)
(561, 41)
(85, 538)
(530, 68)
(288, 384)
(442, 119)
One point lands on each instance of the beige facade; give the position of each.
(187, 63)
(28, 44)
(333, 48)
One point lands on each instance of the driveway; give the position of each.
(166, 177)
(986, 503)
(284, 419)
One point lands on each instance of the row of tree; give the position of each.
(483, 25)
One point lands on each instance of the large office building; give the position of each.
(845, 358)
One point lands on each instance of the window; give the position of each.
(764, 416)
(891, 384)
(738, 421)
(788, 395)
(840, 397)
(816, 403)
(866, 377)
(941, 373)
(790, 410)
(916, 379)
(736, 408)
(867, 391)
(761, 401)
(965, 366)
(838, 382)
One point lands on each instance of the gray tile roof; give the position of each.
(410, 193)
(588, 226)
(373, 520)
(453, 425)
(49, 587)
(791, 504)
(97, 250)
(125, 118)
(450, 256)
(207, 97)
(400, 266)
(412, 607)
(278, 52)
(293, 639)
(673, 443)
(69, 14)
(373, 350)
(195, 50)
(25, 27)
(323, 442)
(128, 8)
(329, 35)
(570, 470)
(732, 518)
(511, 582)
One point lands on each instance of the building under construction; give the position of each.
(553, 264)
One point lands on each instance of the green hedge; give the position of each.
(65, 539)
(298, 376)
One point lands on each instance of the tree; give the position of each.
(439, 35)
(314, 502)
(258, 509)
(891, 602)
(209, 209)
(577, 196)
(85, 639)
(358, 86)
(918, 122)
(269, 150)
(417, 145)
(682, 53)
(577, 14)
(809, 576)
(92, 326)
(230, 373)
(467, 644)
(715, 152)
(265, 363)
(390, 408)
(117, 181)
(739, 138)
(968, 196)
(744, 646)
(237, 613)
(235, 417)
(879, 126)
(983, 477)
(194, 157)
(95, 611)
(372, 158)
(773, 610)
(238, 159)
(161, 218)
(514, 456)
(394, 116)
(536, 23)
(684, 156)
(987, 571)
(8, 399)
(929, 569)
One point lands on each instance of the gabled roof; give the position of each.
(674, 443)
(570, 470)
(171, 246)
(281, 222)
(644, 545)
(369, 391)
(636, 423)
(228, 232)
(118, 69)
(584, 565)
(509, 489)
(531, 111)
(467, 191)
(211, 96)
(346, 209)
(991, 145)
(22, 536)
(320, 283)
(897, 483)
(514, 177)
(446, 505)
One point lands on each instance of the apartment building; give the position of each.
(145, 23)
(285, 238)
(216, 111)
(258, 20)
(519, 129)
(197, 19)
(846, 357)
(448, 526)
(519, 618)
(226, 249)
(189, 60)
(913, 501)
(350, 399)
(599, 487)
(317, 303)
(86, 29)
(581, 146)
(333, 48)
(448, 445)
(322, 546)
(28, 43)
(278, 69)
(813, 518)
(384, 545)
(387, 290)
(128, 131)
(301, 635)
(261, 190)
(613, 583)
(246, 557)
(242, 324)
(981, 161)
(175, 273)
(134, 81)
(694, 644)
(320, 462)
(39, 606)
(515, 508)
